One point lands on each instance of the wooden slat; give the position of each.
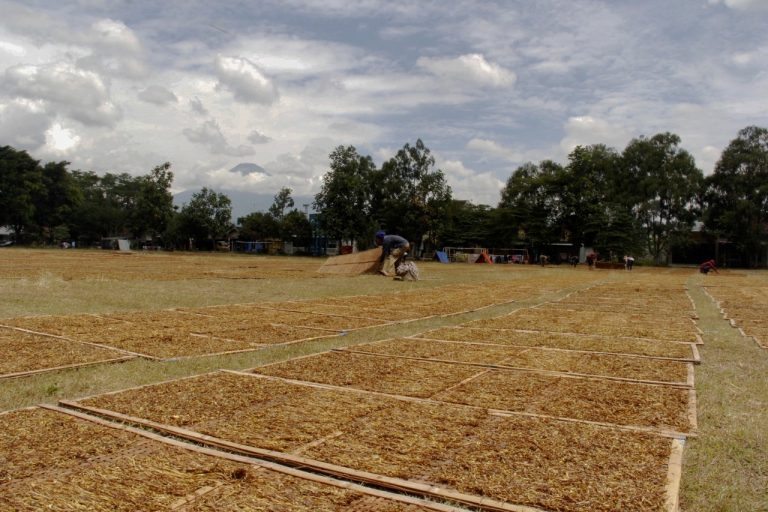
(674, 475)
(67, 367)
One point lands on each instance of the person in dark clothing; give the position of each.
(394, 248)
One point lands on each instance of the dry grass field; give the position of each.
(175, 381)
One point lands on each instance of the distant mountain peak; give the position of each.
(247, 168)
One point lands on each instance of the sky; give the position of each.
(487, 85)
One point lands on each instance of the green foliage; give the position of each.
(465, 224)
(21, 181)
(344, 200)
(56, 201)
(663, 184)
(282, 201)
(207, 216)
(531, 205)
(258, 226)
(296, 227)
(60, 233)
(52, 389)
(586, 193)
(644, 200)
(153, 206)
(409, 197)
(736, 195)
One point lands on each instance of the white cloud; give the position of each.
(196, 105)
(61, 139)
(302, 169)
(709, 157)
(289, 57)
(519, 82)
(472, 69)
(742, 5)
(245, 80)
(12, 49)
(116, 36)
(209, 134)
(495, 149)
(23, 126)
(256, 137)
(157, 95)
(588, 130)
(114, 49)
(478, 187)
(223, 179)
(742, 58)
(76, 93)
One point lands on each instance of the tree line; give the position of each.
(644, 200)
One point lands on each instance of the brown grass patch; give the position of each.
(93, 467)
(560, 466)
(567, 341)
(380, 374)
(586, 322)
(169, 334)
(622, 403)
(535, 358)
(25, 352)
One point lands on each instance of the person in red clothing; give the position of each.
(705, 267)
(591, 259)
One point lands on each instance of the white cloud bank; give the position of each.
(245, 80)
(124, 86)
(472, 69)
(65, 90)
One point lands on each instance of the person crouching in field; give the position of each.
(705, 267)
(394, 249)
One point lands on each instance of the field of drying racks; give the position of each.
(582, 403)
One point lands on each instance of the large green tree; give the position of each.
(55, 203)
(153, 206)
(207, 216)
(586, 192)
(466, 225)
(663, 184)
(280, 203)
(296, 227)
(21, 181)
(736, 194)
(409, 196)
(530, 207)
(95, 216)
(344, 200)
(258, 226)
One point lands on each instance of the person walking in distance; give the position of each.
(591, 258)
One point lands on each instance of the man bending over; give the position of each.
(394, 248)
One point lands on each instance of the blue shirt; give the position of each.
(393, 242)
